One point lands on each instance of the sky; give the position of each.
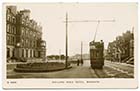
(52, 15)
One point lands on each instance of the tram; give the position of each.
(97, 54)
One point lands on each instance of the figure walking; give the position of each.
(78, 61)
(82, 62)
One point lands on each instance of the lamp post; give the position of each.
(17, 50)
(18, 44)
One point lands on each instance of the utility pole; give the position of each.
(82, 61)
(66, 61)
(81, 50)
(60, 54)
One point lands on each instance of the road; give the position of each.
(110, 70)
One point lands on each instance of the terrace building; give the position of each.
(11, 31)
(28, 44)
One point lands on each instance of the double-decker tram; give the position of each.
(97, 54)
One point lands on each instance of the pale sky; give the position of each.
(51, 17)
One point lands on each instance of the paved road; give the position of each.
(110, 70)
(119, 70)
(82, 71)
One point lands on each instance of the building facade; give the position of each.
(121, 49)
(28, 45)
(11, 31)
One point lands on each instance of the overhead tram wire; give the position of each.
(98, 21)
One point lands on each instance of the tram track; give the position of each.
(101, 73)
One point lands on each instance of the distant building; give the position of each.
(78, 56)
(27, 42)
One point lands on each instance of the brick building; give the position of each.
(28, 44)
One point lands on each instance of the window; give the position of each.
(23, 42)
(22, 52)
(13, 20)
(7, 28)
(15, 30)
(32, 44)
(34, 54)
(25, 32)
(11, 29)
(8, 39)
(31, 33)
(26, 53)
(26, 43)
(94, 54)
(22, 22)
(8, 52)
(13, 53)
(97, 54)
(30, 53)
(8, 17)
(22, 30)
(39, 54)
(13, 40)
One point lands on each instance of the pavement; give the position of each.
(126, 70)
(110, 70)
(123, 64)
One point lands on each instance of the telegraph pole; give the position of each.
(82, 53)
(59, 54)
(66, 62)
(81, 50)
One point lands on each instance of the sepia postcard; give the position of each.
(70, 45)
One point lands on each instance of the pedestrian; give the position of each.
(78, 61)
(82, 62)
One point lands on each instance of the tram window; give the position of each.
(94, 54)
(97, 54)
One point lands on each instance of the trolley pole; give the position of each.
(66, 61)
(96, 29)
